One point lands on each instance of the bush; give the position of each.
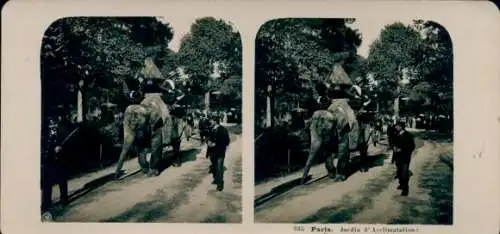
(271, 151)
(92, 147)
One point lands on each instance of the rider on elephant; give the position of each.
(338, 87)
(323, 100)
(163, 94)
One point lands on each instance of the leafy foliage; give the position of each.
(211, 44)
(293, 55)
(100, 51)
(393, 54)
(103, 52)
(420, 53)
(411, 61)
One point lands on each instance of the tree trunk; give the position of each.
(79, 118)
(396, 106)
(398, 91)
(207, 102)
(81, 110)
(268, 108)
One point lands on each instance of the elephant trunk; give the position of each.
(128, 140)
(313, 151)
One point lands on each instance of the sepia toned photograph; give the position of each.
(141, 120)
(243, 117)
(353, 122)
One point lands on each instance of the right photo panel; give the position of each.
(353, 122)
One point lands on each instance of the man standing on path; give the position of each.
(403, 145)
(55, 161)
(217, 145)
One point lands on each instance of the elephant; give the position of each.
(144, 126)
(335, 133)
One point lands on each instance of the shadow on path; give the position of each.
(186, 156)
(353, 167)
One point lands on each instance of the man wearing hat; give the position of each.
(216, 147)
(323, 101)
(403, 145)
(54, 158)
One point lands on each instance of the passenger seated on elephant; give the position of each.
(357, 100)
(132, 90)
(323, 100)
(155, 90)
(171, 95)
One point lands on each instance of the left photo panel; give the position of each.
(141, 120)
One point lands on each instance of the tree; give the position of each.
(420, 54)
(437, 65)
(212, 45)
(292, 55)
(98, 52)
(357, 69)
(393, 58)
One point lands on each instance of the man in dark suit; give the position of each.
(403, 145)
(217, 144)
(55, 161)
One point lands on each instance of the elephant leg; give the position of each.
(363, 153)
(188, 132)
(128, 140)
(330, 150)
(343, 157)
(143, 161)
(156, 151)
(315, 146)
(167, 130)
(330, 165)
(176, 146)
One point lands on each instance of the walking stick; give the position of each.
(69, 136)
